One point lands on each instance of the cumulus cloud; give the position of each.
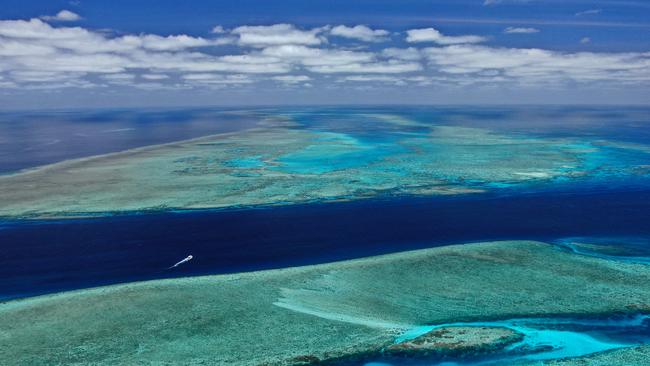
(277, 34)
(62, 16)
(42, 36)
(327, 61)
(519, 30)
(408, 54)
(119, 79)
(218, 29)
(154, 76)
(35, 54)
(36, 45)
(309, 56)
(385, 67)
(360, 32)
(291, 79)
(385, 79)
(219, 78)
(42, 76)
(433, 35)
(537, 65)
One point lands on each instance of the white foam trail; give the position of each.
(187, 259)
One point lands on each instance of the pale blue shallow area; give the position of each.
(247, 162)
(336, 152)
(613, 143)
(547, 338)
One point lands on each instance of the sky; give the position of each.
(148, 53)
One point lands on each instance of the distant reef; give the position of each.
(281, 162)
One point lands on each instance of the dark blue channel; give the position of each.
(39, 257)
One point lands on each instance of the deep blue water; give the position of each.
(30, 139)
(48, 256)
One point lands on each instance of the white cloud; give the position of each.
(537, 65)
(291, 79)
(327, 61)
(585, 40)
(62, 16)
(36, 33)
(37, 29)
(433, 35)
(408, 54)
(372, 78)
(309, 56)
(277, 34)
(360, 32)
(36, 45)
(382, 67)
(589, 12)
(519, 30)
(172, 43)
(199, 62)
(119, 79)
(218, 29)
(149, 86)
(207, 78)
(154, 76)
(43, 76)
(35, 54)
(10, 47)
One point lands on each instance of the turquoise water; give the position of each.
(546, 338)
(246, 162)
(335, 151)
(478, 147)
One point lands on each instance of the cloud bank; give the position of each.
(35, 54)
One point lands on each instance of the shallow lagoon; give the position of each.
(544, 339)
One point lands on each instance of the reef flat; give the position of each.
(324, 312)
(285, 161)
